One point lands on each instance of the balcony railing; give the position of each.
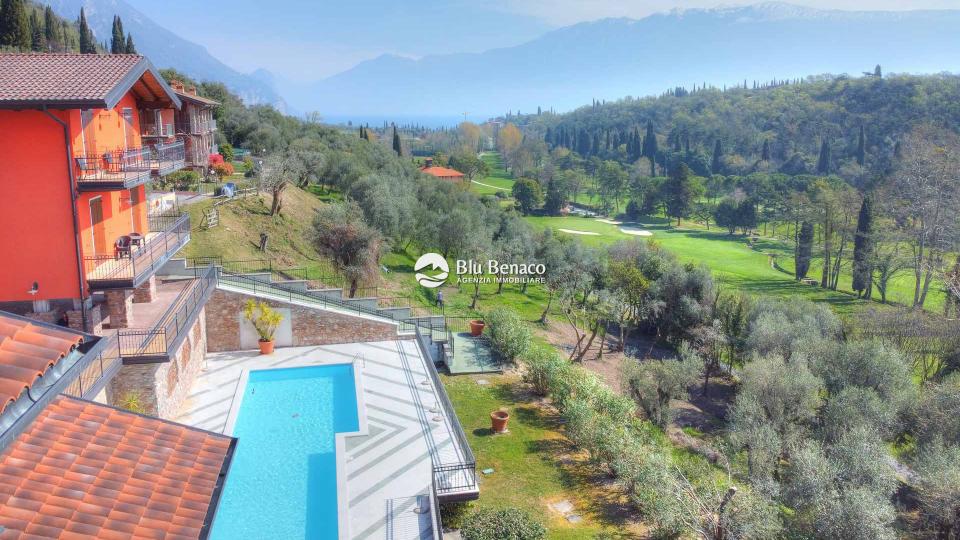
(197, 127)
(119, 169)
(92, 380)
(169, 157)
(157, 131)
(158, 343)
(129, 267)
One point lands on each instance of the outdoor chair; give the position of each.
(121, 248)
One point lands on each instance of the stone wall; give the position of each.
(163, 387)
(310, 326)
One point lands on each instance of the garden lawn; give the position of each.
(534, 465)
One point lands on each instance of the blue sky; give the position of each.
(302, 40)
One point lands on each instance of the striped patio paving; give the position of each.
(389, 469)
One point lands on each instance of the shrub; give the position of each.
(222, 170)
(505, 524)
(263, 318)
(541, 365)
(509, 337)
(133, 402)
(226, 150)
(178, 181)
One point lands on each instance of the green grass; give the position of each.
(732, 262)
(527, 461)
(498, 177)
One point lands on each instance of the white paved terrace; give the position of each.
(389, 469)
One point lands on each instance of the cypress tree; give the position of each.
(765, 153)
(87, 43)
(118, 43)
(396, 142)
(679, 192)
(716, 164)
(130, 48)
(861, 148)
(823, 163)
(804, 250)
(650, 148)
(50, 27)
(15, 25)
(877, 72)
(863, 248)
(38, 40)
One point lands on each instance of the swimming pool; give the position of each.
(283, 479)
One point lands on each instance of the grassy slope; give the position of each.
(241, 222)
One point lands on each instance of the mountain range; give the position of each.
(612, 58)
(166, 49)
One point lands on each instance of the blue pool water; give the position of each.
(283, 479)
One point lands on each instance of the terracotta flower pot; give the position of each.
(476, 328)
(498, 421)
(266, 347)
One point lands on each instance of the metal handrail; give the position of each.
(168, 330)
(120, 165)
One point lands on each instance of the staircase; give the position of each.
(275, 285)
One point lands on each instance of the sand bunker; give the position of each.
(635, 232)
(610, 222)
(571, 231)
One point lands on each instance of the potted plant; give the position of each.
(265, 320)
(476, 327)
(498, 420)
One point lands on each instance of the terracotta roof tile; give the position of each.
(27, 351)
(59, 479)
(442, 172)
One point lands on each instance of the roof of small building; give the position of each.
(86, 470)
(72, 81)
(27, 352)
(185, 95)
(442, 172)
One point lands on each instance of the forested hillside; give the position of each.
(792, 121)
(29, 27)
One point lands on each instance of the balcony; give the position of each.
(168, 157)
(157, 131)
(128, 268)
(158, 342)
(120, 169)
(197, 127)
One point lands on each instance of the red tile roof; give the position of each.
(194, 97)
(27, 350)
(442, 172)
(62, 80)
(85, 470)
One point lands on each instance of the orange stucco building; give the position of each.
(74, 163)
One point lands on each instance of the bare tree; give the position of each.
(926, 186)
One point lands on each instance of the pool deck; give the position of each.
(389, 469)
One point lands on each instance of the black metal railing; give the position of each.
(435, 512)
(171, 328)
(169, 157)
(96, 375)
(460, 476)
(118, 169)
(130, 263)
(196, 126)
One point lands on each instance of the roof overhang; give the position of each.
(143, 79)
